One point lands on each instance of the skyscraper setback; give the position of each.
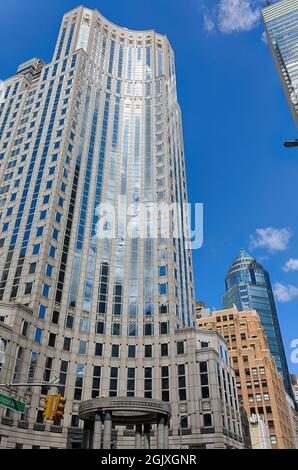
(97, 129)
(281, 22)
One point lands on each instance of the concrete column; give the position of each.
(107, 432)
(147, 430)
(91, 439)
(86, 435)
(160, 432)
(139, 436)
(166, 434)
(97, 432)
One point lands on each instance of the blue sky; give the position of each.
(235, 119)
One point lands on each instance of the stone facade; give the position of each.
(261, 389)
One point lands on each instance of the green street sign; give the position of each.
(12, 403)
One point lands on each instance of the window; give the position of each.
(163, 271)
(98, 349)
(181, 382)
(39, 231)
(273, 440)
(96, 381)
(40, 417)
(37, 335)
(165, 384)
(115, 350)
(32, 268)
(163, 308)
(113, 382)
(82, 347)
(207, 420)
(42, 311)
(148, 350)
(46, 290)
(163, 328)
(28, 288)
(204, 379)
(131, 374)
(163, 289)
(148, 329)
(131, 351)
(36, 249)
(164, 349)
(55, 317)
(100, 327)
(69, 322)
(24, 329)
(80, 373)
(75, 421)
(52, 251)
(148, 382)
(67, 344)
(116, 329)
(49, 270)
(180, 347)
(52, 340)
(184, 422)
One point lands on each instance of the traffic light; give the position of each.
(59, 407)
(48, 407)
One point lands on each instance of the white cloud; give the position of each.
(237, 15)
(232, 16)
(264, 37)
(291, 265)
(209, 24)
(285, 293)
(271, 239)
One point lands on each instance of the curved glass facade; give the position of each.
(100, 126)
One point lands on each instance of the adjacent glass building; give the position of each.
(248, 287)
(281, 22)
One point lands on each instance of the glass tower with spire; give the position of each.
(248, 286)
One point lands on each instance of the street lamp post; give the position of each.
(291, 143)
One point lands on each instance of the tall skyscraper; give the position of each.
(281, 22)
(110, 316)
(248, 286)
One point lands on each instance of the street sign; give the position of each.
(12, 403)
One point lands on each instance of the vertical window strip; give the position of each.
(83, 209)
(25, 194)
(60, 47)
(89, 281)
(70, 38)
(35, 196)
(73, 198)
